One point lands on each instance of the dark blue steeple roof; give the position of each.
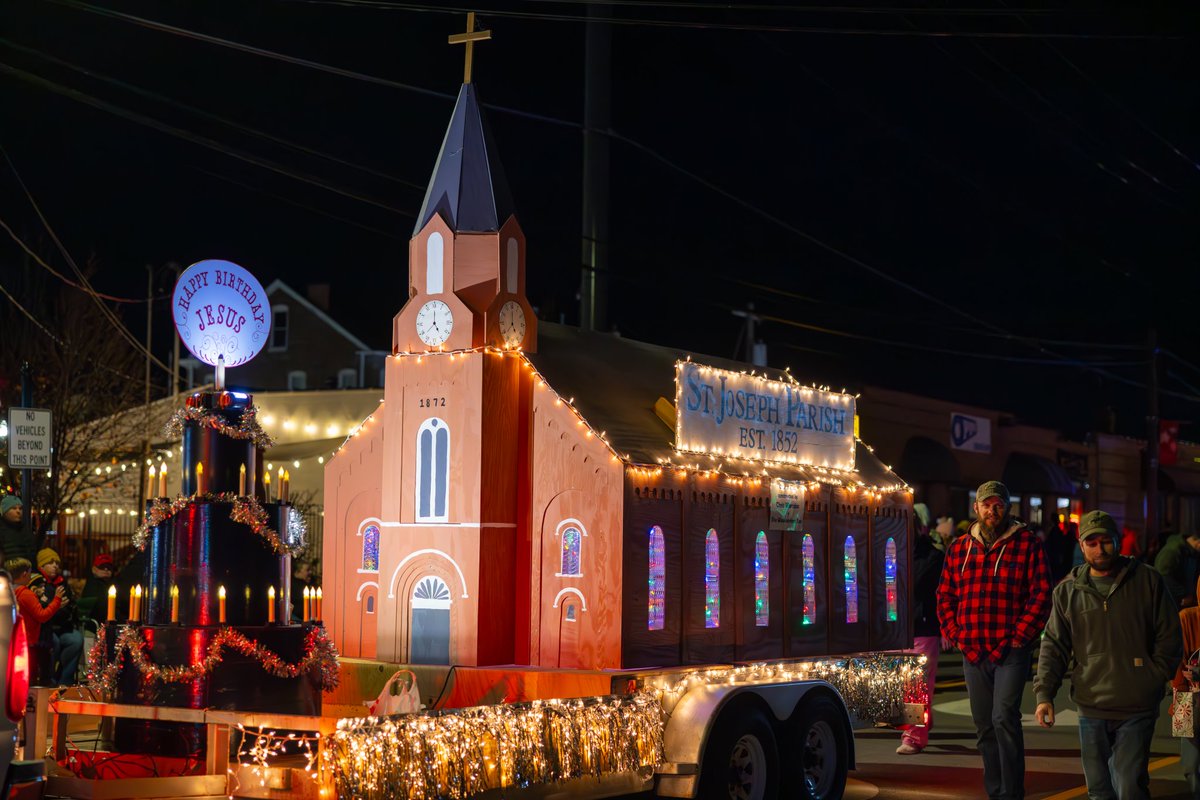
(468, 185)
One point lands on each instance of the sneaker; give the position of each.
(907, 749)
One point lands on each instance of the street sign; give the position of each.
(29, 438)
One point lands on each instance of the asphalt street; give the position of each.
(950, 766)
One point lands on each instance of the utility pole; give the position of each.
(755, 351)
(146, 398)
(597, 105)
(174, 267)
(1152, 434)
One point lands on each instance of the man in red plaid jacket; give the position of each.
(993, 600)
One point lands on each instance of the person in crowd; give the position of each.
(1176, 562)
(15, 542)
(992, 601)
(63, 632)
(1115, 621)
(93, 600)
(1058, 551)
(1131, 544)
(928, 557)
(34, 612)
(301, 580)
(1187, 678)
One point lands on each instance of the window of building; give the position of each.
(434, 266)
(850, 569)
(297, 380)
(433, 470)
(347, 379)
(658, 580)
(712, 580)
(807, 562)
(511, 282)
(571, 542)
(889, 577)
(279, 328)
(370, 549)
(762, 571)
(570, 612)
(370, 604)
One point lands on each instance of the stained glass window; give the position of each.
(570, 551)
(889, 577)
(850, 565)
(370, 549)
(712, 580)
(658, 580)
(762, 571)
(807, 563)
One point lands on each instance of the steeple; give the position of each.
(468, 185)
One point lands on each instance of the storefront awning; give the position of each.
(1025, 473)
(927, 461)
(1176, 480)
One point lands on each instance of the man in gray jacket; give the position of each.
(1115, 619)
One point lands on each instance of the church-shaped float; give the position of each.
(530, 493)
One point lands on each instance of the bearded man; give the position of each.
(993, 600)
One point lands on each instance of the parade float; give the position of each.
(608, 566)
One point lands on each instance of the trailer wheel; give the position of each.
(741, 761)
(818, 752)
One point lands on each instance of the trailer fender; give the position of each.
(692, 720)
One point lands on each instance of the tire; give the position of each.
(817, 751)
(741, 760)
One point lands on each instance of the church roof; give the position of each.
(468, 185)
(615, 383)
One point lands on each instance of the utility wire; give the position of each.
(38, 260)
(207, 115)
(723, 26)
(186, 135)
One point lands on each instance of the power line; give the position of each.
(38, 260)
(142, 119)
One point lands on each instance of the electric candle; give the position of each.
(112, 603)
(137, 602)
(286, 486)
(150, 483)
(282, 487)
(199, 478)
(271, 605)
(133, 604)
(266, 486)
(319, 600)
(174, 604)
(162, 481)
(307, 597)
(242, 481)
(221, 604)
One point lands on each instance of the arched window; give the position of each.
(511, 266)
(850, 567)
(433, 470)
(807, 564)
(434, 266)
(889, 577)
(571, 540)
(657, 581)
(370, 548)
(370, 604)
(762, 573)
(712, 580)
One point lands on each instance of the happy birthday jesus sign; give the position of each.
(221, 311)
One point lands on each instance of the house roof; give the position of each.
(296, 297)
(468, 185)
(615, 383)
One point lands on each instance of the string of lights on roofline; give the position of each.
(717, 466)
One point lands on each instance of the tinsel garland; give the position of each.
(458, 754)
(247, 427)
(246, 510)
(320, 658)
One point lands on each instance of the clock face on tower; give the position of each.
(512, 323)
(434, 322)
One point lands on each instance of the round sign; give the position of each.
(221, 310)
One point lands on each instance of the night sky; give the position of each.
(996, 214)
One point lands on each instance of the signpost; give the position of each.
(29, 438)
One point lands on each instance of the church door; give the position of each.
(430, 640)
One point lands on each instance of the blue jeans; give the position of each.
(995, 694)
(1116, 753)
(1189, 760)
(67, 650)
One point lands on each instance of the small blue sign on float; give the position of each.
(221, 312)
